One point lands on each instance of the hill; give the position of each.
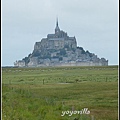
(59, 49)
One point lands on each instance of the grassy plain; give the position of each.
(43, 93)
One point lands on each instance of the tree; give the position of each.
(60, 58)
(63, 52)
(36, 53)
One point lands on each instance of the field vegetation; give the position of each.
(43, 93)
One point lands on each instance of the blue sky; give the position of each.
(94, 23)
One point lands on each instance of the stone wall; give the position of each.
(59, 49)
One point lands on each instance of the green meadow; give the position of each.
(44, 93)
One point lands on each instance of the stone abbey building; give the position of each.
(59, 49)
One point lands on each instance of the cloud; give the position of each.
(93, 22)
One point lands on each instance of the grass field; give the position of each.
(43, 93)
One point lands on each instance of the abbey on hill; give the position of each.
(59, 49)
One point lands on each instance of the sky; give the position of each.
(94, 23)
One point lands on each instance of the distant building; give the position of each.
(59, 40)
(59, 49)
(20, 63)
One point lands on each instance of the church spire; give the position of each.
(57, 29)
(57, 22)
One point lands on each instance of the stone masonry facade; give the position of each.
(59, 49)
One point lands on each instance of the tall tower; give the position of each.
(57, 29)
